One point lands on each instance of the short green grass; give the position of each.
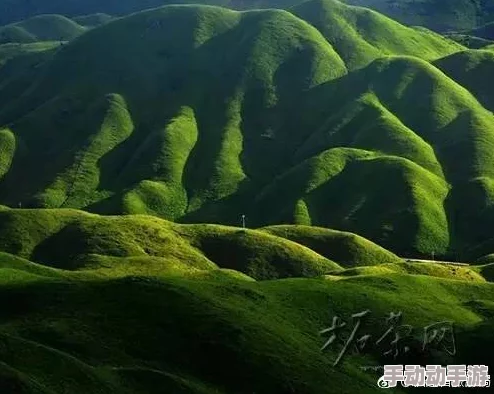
(149, 334)
(74, 240)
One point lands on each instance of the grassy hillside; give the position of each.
(74, 240)
(128, 100)
(471, 69)
(255, 113)
(133, 305)
(15, 10)
(361, 35)
(435, 14)
(149, 351)
(41, 28)
(93, 20)
(400, 172)
(345, 248)
(185, 123)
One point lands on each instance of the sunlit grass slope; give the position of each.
(259, 114)
(439, 15)
(400, 172)
(472, 69)
(75, 240)
(222, 100)
(361, 35)
(148, 334)
(438, 270)
(136, 304)
(347, 249)
(41, 28)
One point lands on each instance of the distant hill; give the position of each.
(470, 41)
(16, 10)
(438, 15)
(486, 31)
(41, 28)
(441, 15)
(93, 20)
(361, 35)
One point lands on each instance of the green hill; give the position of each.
(93, 20)
(469, 41)
(74, 240)
(133, 304)
(131, 155)
(12, 51)
(137, 335)
(214, 121)
(361, 35)
(345, 248)
(439, 15)
(471, 69)
(400, 172)
(14, 10)
(435, 14)
(41, 28)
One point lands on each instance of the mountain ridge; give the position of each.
(241, 108)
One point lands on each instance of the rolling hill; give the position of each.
(69, 239)
(440, 15)
(41, 28)
(136, 304)
(220, 119)
(93, 20)
(190, 195)
(15, 10)
(434, 14)
(471, 69)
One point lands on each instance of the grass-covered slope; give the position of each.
(61, 331)
(405, 124)
(472, 69)
(222, 88)
(136, 304)
(41, 28)
(93, 20)
(435, 14)
(75, 240)
(345, 248)
(441, 15)
(255, 113)
(15, 10)
(361, 35)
